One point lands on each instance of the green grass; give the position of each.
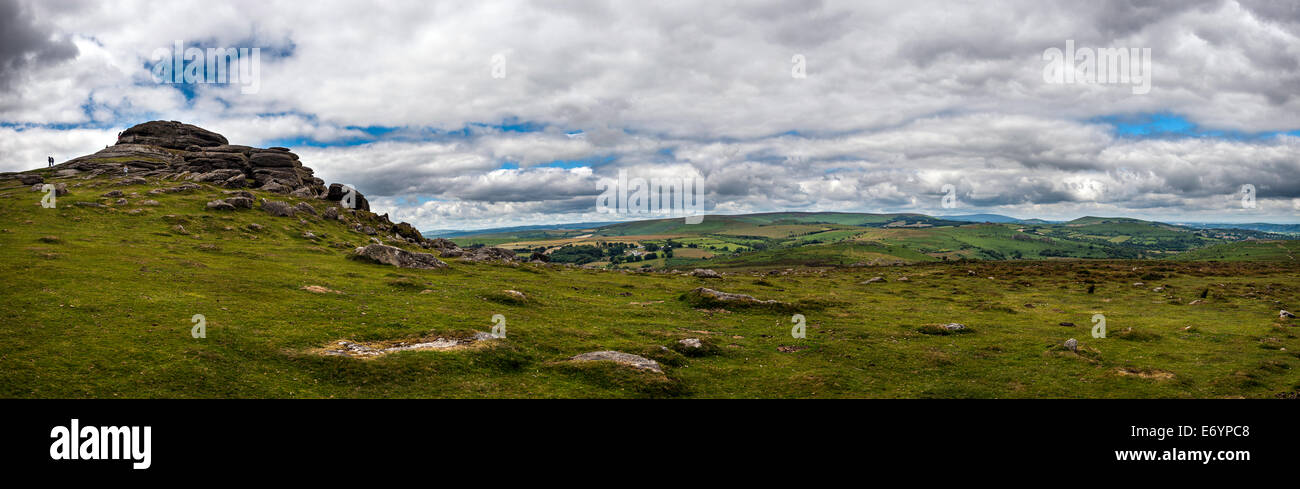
(99, 302)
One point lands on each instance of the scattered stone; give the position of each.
(119, 202)
(240, 202)
(392, 255)
(1196, 302)
(309, 235)
(131, 181)
(305, 208)
(149, 202)
(220, 205)
(1072, 345)
(1284, 314)
(953, 326)
(635, 361)
(112, 193)
(791, 348)
(872, 280)
(362, 350)
(516, 294)
(707, 297)
(277, 208)
(904, 279)
(705, 273)
(89, 204)
(690, 343)
(31, 179)
(254, 226)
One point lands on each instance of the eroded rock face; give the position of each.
(392, 255)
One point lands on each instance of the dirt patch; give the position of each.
(1146, 373)
(316, 289)
(379, 348)
(790, 349)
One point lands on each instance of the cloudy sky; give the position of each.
(466, 115)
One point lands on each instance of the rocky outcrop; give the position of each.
(177, 151)
(171, 134)
(392, 255)
(159, 151)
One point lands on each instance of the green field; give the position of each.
(100, 301)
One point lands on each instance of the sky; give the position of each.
(471, 115)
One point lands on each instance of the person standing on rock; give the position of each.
(51, 160)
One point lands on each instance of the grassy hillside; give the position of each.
(777, 239)
(99, 303)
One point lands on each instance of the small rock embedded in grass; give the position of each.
(694, 347)
(626, 359)
(943, 329)
(1284, 314)
(872, 280)
(705, 297)
(790, 348)
(1072, 345)
(705, 273)
(351, 349)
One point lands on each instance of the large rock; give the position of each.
(400, 258)
(170, 134)
(407, 231)
(336, 194)
(635, 361)
(277, 208)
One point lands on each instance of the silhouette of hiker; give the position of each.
(51, 161)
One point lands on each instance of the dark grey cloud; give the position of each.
(26, 43)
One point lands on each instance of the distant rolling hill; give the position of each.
(982, 218)
(451, 233)
(841, 239)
